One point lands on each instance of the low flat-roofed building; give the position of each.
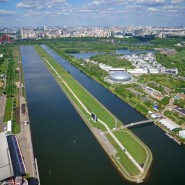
(182, 134)
(169, 124)
(180, 110)
(6, 169)
(153, 71)
(137, 71)
(9, 126)
(16, 156)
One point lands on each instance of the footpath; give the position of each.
(24, 138)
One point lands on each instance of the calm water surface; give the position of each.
(169, 157)
(67, 152)
(87, 55)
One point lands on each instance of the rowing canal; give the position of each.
(67, 152)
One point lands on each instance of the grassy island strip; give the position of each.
(129, 154)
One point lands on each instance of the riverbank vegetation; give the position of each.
(112, 60)
(173, 61)
(175, 117)
(8, 66)
(175, 84)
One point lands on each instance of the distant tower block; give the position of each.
(94, 117)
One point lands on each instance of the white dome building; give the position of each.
(120, 76)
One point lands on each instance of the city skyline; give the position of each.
(92, 12)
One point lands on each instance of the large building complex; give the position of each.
(11, 161)
(6, 168)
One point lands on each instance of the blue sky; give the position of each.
(92, 12)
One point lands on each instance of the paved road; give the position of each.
(24, 138)
(25, 144)
(2, 110)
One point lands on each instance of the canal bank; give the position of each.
(25, 137)
(168, 156)
(60, 77)
(66, 151)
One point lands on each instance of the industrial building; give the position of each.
(180, 110)
(147, 64)
(110, 68)
(11, 161)
(169, 124)
(6, 169)
(182, 134)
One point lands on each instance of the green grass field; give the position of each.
(132, 146)
(8, 109)
(130, 143)
(123, 159)
(179, 56)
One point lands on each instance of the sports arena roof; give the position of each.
(17, 161)
(6, 169)
(169, 124)
(120, 76)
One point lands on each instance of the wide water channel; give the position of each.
(87, 55)
(66, 150)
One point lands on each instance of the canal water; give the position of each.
(169, 157)
(66, 150)
(87, 55)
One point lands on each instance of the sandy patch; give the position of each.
(1, 84)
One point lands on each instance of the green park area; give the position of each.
(81, 98)
(8, 69)
(8, 109)
(112, 60)
(174, 84)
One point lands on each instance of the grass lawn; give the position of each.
(123, 159)
(132, 146)
(3, 66)
(179, 56)
(1, 84)
(8, 109)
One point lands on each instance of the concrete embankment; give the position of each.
(24, 137)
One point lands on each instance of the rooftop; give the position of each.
(169, 124)
(120, 75)
(6, 169)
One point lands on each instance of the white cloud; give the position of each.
(39, 4)
(99, 9)
(7, 12)
(26, 5)
(177, 1)
(149, 2)
(98, 2)
(152, 9)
